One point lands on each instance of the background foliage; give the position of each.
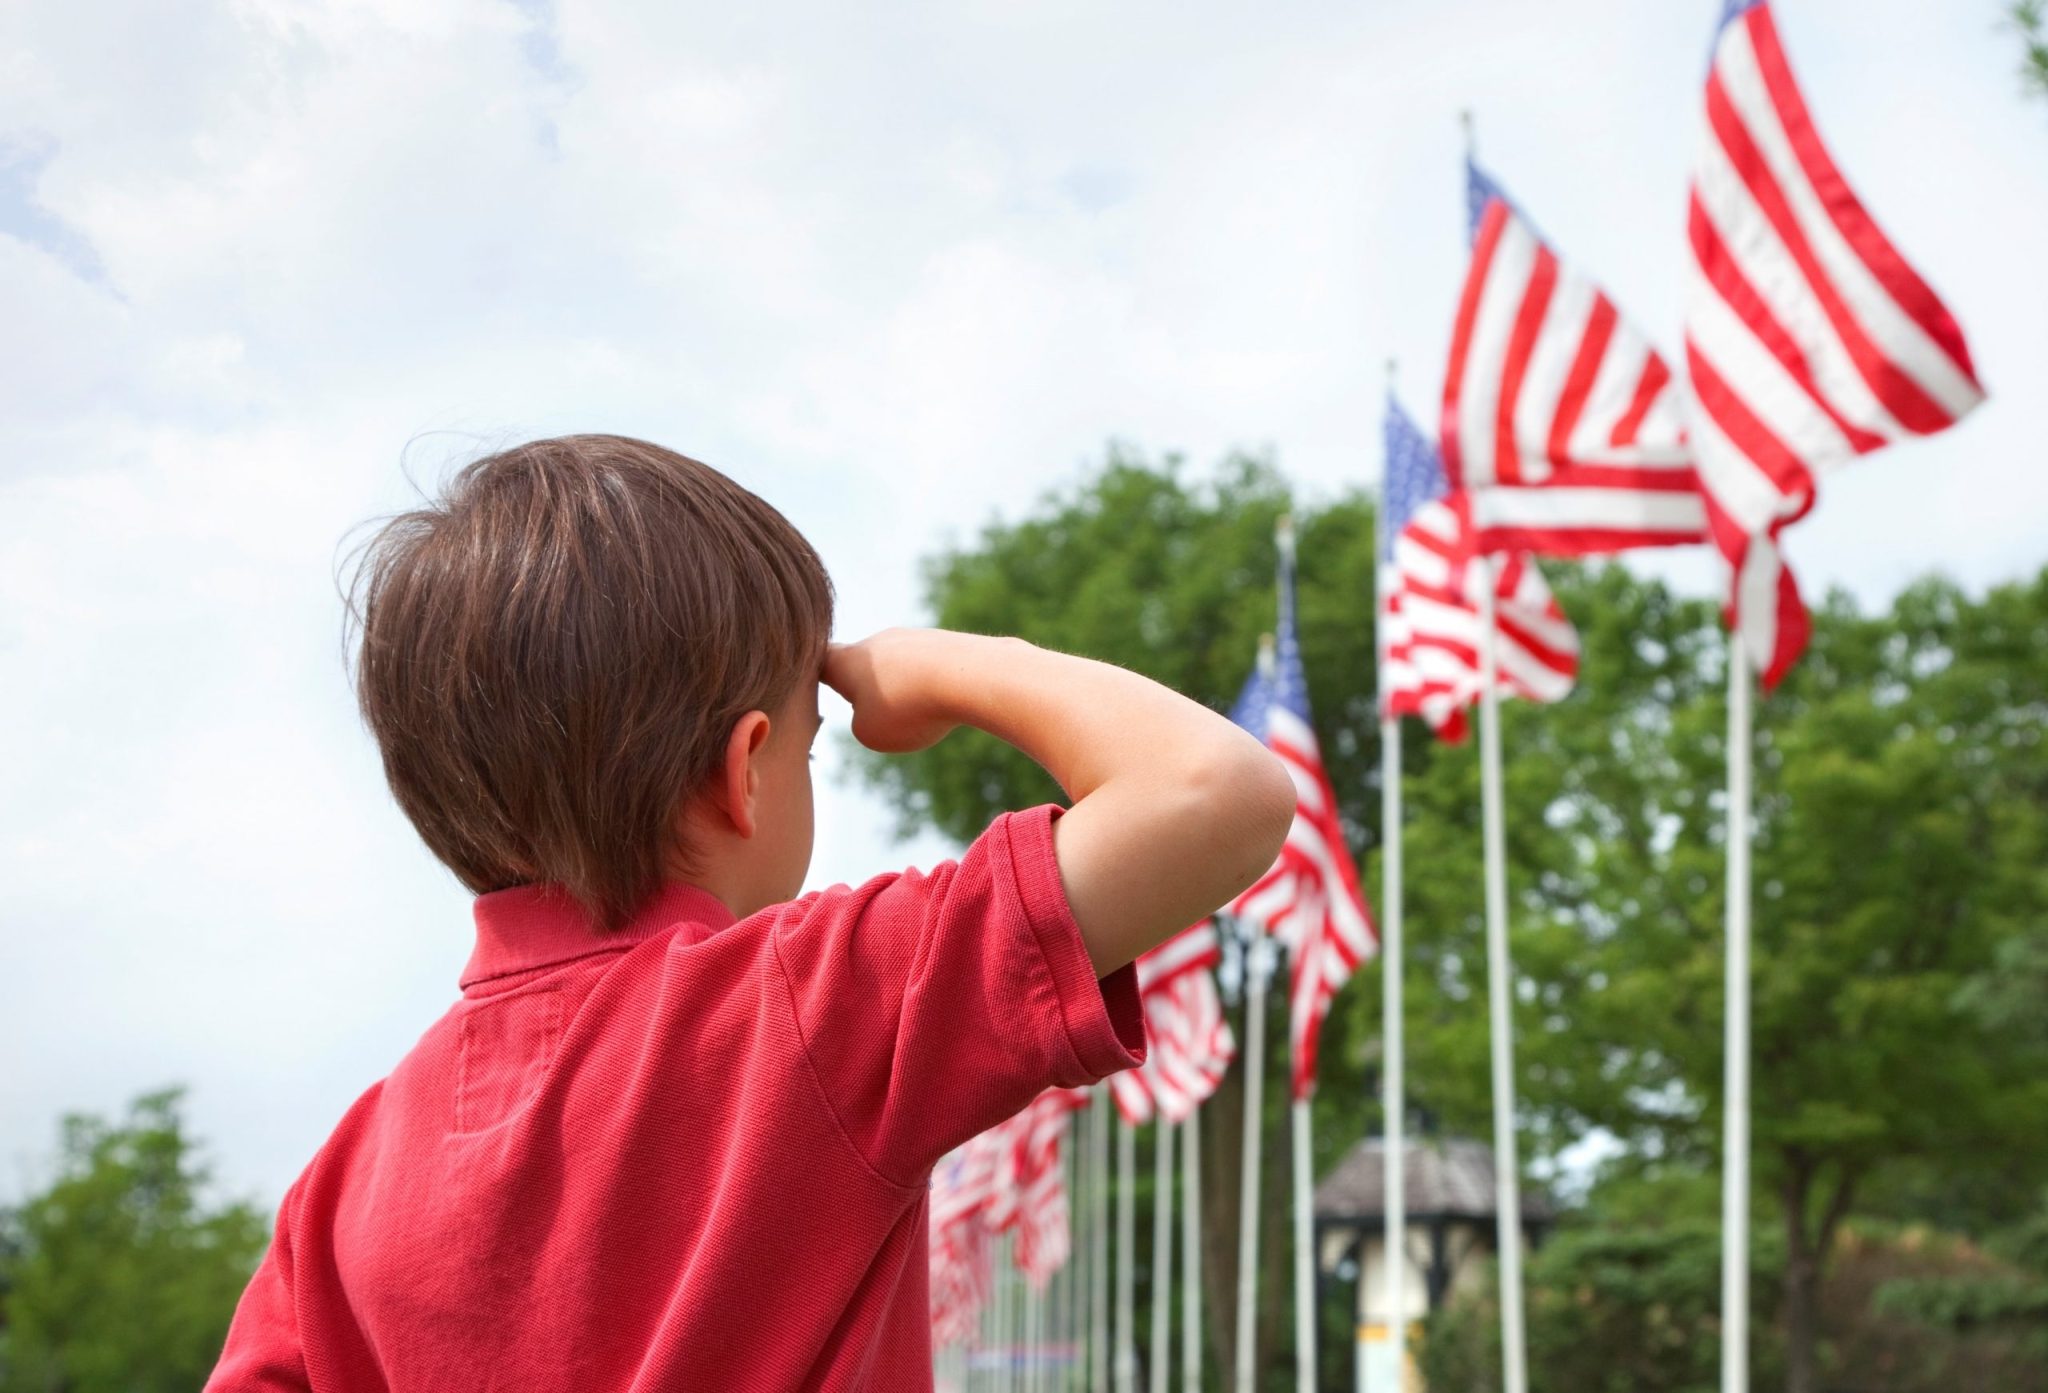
(120, 1276)
(1901, 872)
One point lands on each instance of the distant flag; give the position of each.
(1031, 1185)
(1809, 339)
(1189, 1045)
(962, 1186)
(1429, 598)
(1310, 898)
(1008, 1179)
(1559, 419)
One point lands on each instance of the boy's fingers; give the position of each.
(839, 661)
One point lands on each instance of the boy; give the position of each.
(677, 1131)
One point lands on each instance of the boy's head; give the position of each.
(559, 658)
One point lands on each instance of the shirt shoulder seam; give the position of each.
(817, 1080)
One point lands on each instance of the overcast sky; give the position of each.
(897, 268)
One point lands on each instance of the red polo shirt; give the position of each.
(690, 1155)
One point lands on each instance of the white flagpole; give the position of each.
(1735, 1105)
(1393, 1086)
(1393, 1083)
(1126, 1253)
(1258, 972)
(1034, 1335)
(1191, 1258)
(1077, 1261)
(1162, 1252)
(1304, 1251)
(1098, 1240)
(1500, 986)
(1006, 1334)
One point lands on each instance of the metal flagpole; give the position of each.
(1393, 1086)
(1005, 1319)
(1191, 1255)
(1162, 1252)
(1076, 1270)
(1034, 1335)
(1507, 1168)
(1304, 1251)
(1735, 1140)
(1098, 1243)
(1393, 1083)
(1126, 1254)
(1258, 973)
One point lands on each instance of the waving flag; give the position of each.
(1188, 1040)
(1429, 599)
(1310, 898)
(1031, 1186)
(1007, 1180)
(1809, 339)
(962, 1186)
(1560, 421)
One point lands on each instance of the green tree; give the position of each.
(2030, 17)
(1902, 832)
(119, 1277)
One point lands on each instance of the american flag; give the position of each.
(1310, 898)
(1808, 338)
(962, 1186)
(1559, 419)
(1429, 598)
(1187, 1039)
(1031, 1185)
(1009, 1179)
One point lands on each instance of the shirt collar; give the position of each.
(536, 926)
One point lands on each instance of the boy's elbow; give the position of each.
(1244, 801)
(1269, 804)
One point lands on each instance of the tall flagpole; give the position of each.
(1304, 1250)
(1191, 1259)
(1393, 1086)
(1393, 1083)
(1083, 1242)
(1162, 1250)
(1258, 973)
(1034, 1335)
(1499, 989)
(1126, 1372)
(1735, 1106)
(1006, 1318)
(1098, 1241)
(1299, 1120)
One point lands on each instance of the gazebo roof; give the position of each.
(1447, 1176)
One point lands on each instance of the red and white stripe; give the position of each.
(1030, 1192)
(1809, 339)
(1430, 623)
(1559, 418)
(1310, 899)
(963, 1185)
(1188, 1041)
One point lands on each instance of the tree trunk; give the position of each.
(1806, 1256)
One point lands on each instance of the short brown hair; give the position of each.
(554, 651)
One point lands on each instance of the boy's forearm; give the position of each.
(1085, 721)
(1175, 809)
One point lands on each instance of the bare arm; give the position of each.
(1175, 810)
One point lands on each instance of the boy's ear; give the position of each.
(739, 781)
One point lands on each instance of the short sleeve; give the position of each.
(934, 1006)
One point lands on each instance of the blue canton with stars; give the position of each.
(1287, 684)
(1480, 190)
(1415, 475)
